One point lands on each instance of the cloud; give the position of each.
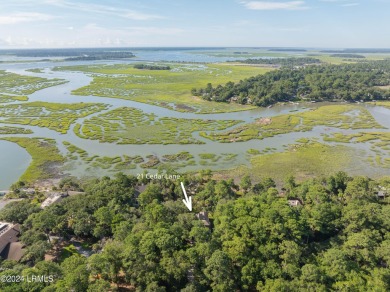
(103, 9)
(19, 42)
(93, 28)
(22, 17)
(268, 5)
(95, 35)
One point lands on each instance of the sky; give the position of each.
(194, 23)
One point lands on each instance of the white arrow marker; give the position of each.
(187, 201)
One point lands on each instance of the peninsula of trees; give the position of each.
(70, 54)
(347, 82)
(282, 62)
(151, 67)
(102, 56)
(349, 56)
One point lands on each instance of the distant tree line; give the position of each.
(102, 56)
(152, 67)
(350, 56)
(347, 82)
(287, 50)
(66, 52)
(361, 51)
(283, 62)
(332, 236)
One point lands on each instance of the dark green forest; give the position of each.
(70, 52)
(282, 62)
(93, 56)
(350, 56)
(151, 67)
(336, 239)
(346, 82)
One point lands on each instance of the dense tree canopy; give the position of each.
(347, 82)
(282, 62)
(152, 67)
(337, 238)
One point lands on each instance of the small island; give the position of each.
(151, 67)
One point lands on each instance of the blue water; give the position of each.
(14, 161)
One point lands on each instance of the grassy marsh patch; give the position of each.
(5, 98)
(14, 130)
(182, 156)
(383, 137)
(132, 126)
(126, 162)
(379, 141)
(117, 163)
(382, 103)
(54, 116)
(21, 84)
(152, 162)
(211, 159)
(301, 160)
(35, 70)
(339, 116)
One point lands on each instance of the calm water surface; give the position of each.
(14, 161)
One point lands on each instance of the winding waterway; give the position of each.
(15, 159)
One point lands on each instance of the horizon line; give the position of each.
(199, 47)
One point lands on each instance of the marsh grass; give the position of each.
(379, 141)
(382, 103)
(310, 159)
(5, 98)
(126, 162)
(14, 130)
(131, 126)
(35, 70)
(21, 84)
(182, 156)
(339, 116)
(211, 159)
(54, 116)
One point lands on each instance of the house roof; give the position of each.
(294, 202)
(139, 189)
(381, 193)
(13, 251)
(8, 235)
(204, 217)
(56, 197)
